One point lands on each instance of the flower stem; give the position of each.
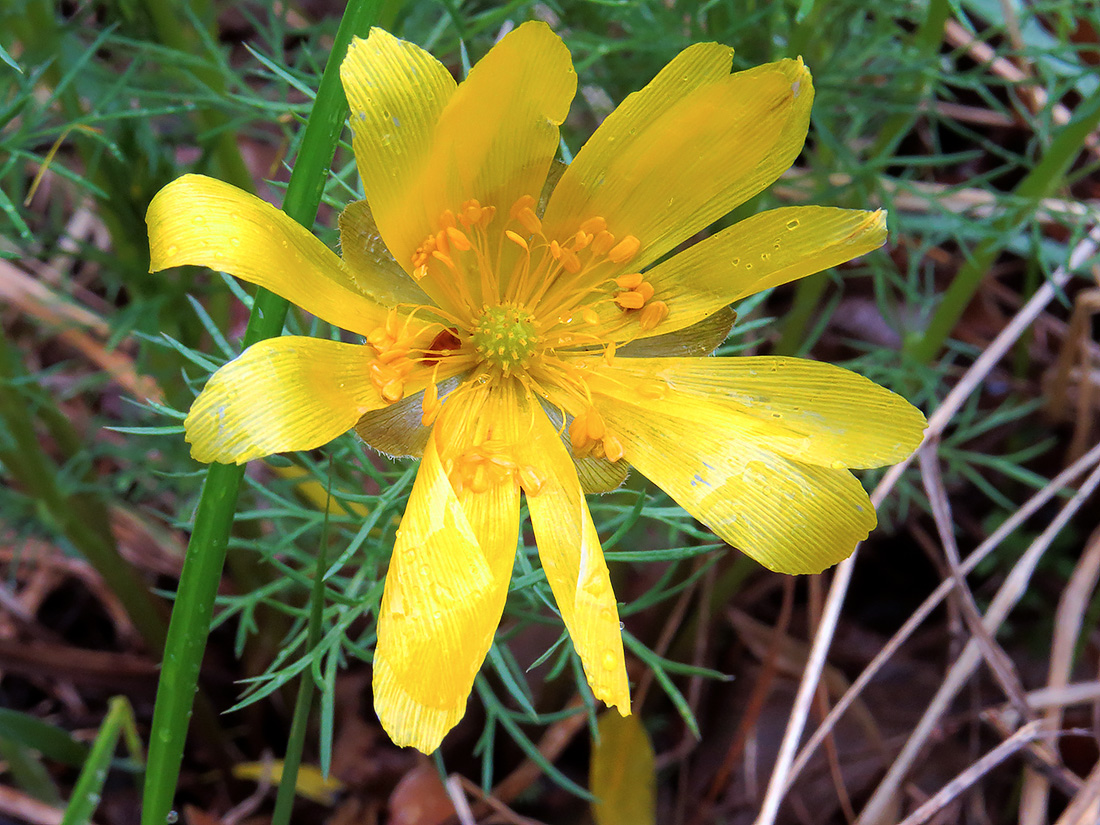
(202, 567)
(288, 782)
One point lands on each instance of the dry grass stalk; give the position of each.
(937, 424)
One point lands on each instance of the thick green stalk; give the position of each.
(194, 606)
(1040, 183)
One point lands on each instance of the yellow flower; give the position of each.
(521, 335)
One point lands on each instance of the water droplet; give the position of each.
(172, 818)
(608, 660)
(198, 220)
(735, 262)
(172, 250)
(235, 241)
(792, 224)
(764, 256)
(425, 571)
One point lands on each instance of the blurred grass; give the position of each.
(106, 102)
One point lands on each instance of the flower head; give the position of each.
(523, 335)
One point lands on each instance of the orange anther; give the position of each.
(590, 316)
(516, 239)
(458, 238)
(555, 250)
(593, 226)
(393, 390)
(625, 249)
(446, 261)
(629, 281)
(529, 220)
(629, 300)
(609, 352)
(612, 448)
(447, 219)
(603, 242)
(652, 315)
(378, 338)
(581, 240)
(645, 289)
(523, 202)
(530, 480)
(471, 212)
(442, 243)
(595, 426)
(487, 215)
(578, 434)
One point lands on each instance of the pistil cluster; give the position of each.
(517, 303)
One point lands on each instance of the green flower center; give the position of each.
(505, 336)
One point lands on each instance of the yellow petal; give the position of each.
(808, 411)
(448, 579)
(763, 251)
(290, 393)
(492, 139)
(623, 773)
(685, 150)
(396, 92)
(573, 560)
(311, 783)
(789, 516)
(204, 222)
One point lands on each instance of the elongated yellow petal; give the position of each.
(290, 393)
(763, 251)
(573, 560)
(448, 579)
(424, 147)
(204, 222)
(789, 516)
(396, 92)
(692, 145)
(499, 132)
(808, 411)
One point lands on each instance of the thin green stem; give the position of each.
(284, 799)
(194, 606)
(1041, 182)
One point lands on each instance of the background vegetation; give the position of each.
(960, 681)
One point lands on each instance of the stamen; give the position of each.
(517, 240)
(652, 314)
(458, 239)
(593, 226)
(629, 281)
(625, 249)
(630, 300)
(602, 243)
